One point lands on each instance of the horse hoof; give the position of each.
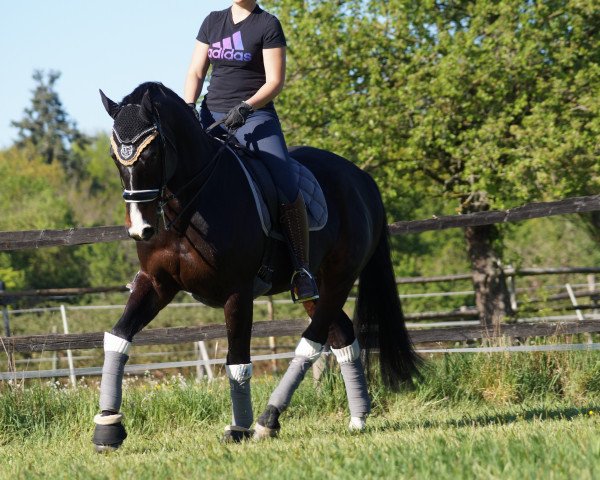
(235, 434)
(357, 424)
(106, 448)
(267, 425)
(108, 438)
(261, 432)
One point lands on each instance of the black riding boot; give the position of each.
(294, 225)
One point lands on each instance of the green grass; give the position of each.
(472, 416)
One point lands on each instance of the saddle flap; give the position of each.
(265, 194)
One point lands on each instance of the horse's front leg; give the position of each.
(147, 298)
(238, 319)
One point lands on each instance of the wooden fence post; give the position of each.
(512, 289)
(204, 355)
(54, 355)
(272, 344)
(63, 313)
(591, 278)
(9, 354)
(4, 312)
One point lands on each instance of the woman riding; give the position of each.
(246, 47)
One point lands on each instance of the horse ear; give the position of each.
(147, 108)
(111, 107)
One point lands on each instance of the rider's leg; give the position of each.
(262, 133)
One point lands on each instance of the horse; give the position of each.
(190, 209)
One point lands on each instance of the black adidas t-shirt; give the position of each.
(235, 53)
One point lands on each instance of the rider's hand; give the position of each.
(237, 116)
(195, 110)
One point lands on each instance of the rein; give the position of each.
(150, 195)
(205, 174)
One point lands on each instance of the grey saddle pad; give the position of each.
(316, 206)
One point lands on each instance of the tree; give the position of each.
(46, 125)
(481, 104)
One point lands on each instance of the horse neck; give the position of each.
(195, 152)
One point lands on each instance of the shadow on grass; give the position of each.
(526, 415)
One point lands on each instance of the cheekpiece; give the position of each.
(131, 134)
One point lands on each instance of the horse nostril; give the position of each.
(147, 233)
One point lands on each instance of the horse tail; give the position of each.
(379, 321)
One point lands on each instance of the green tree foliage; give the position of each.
(33, 197)
(46, 125)
(36, 195)
(460, 105)
(489, 103)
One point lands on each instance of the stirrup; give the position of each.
(309, 292)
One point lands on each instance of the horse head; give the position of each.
(143, 147)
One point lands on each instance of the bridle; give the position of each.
(152, 194)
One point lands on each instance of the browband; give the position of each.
(127, 154)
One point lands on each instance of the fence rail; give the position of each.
(144, 367)
(525, 212)
(10, 296)
(280, 328)
(10, 241)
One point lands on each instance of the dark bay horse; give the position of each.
(191, 210)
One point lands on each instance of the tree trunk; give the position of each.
(491, 293)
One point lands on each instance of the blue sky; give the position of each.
(108, 44)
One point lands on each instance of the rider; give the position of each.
(246, 47)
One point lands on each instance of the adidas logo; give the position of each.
(230, 48)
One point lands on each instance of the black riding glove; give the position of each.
(237, 116)
(195, 110)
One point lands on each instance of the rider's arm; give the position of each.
(196, 73)
(274, 60)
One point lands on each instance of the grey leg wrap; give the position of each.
(356, 384)
(112, 381)
(307, 352)
(282, 395)
(356, 388)
(241, 398)
(241, 403)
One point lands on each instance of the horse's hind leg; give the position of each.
(346, 349)
(145, 301)
(307, 352)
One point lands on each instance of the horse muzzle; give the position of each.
(145, 234)
(140, 229)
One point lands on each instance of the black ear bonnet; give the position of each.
(132, 132)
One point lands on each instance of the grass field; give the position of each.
(472, 416)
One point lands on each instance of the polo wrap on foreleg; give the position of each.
(355, 380)
(115, 358)
(241, 398)
(307, 352)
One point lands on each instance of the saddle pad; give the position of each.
(316, 206)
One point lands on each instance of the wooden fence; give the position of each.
(280, 328)
(10, 241)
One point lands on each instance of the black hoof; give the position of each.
(109, 437)
(270, 418)
(236, 436)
